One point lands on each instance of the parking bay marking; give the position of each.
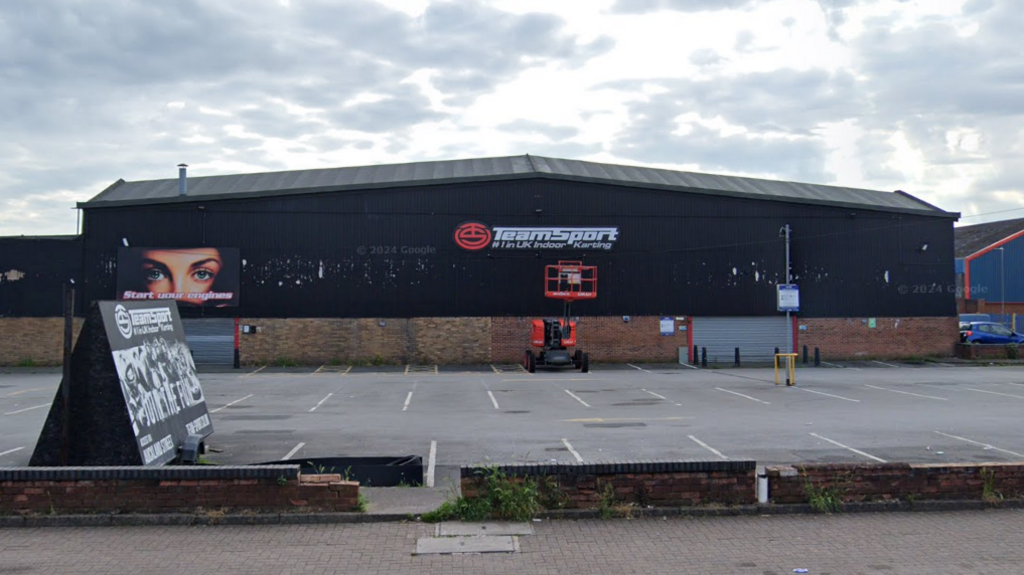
(985, 445)
(431, 463)
(27, 409)
(321, 402)
(408, 398)
(661, 397)
(574, 396)
(10, 451)
(572, 451)
(708, 447)
(295, 450)
(616, 419)
(638, 367)
(906, 392)
(230, 404)
(493, 400)
(857, 451)
(829, 394)
(994, 393)
(14, 393)
(746, 396)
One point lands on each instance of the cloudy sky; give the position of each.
(926, 96)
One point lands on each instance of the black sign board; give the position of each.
(158, 377)
(134, 393)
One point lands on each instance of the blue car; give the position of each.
(988, 332)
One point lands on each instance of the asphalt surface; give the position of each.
(963, 542)
(499, 414)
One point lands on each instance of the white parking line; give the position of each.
(408, 398)
(985, 445)
(995, 393)
(661, 397)
(746, 396)
(857, 451)
(637, 367)
(493, 400)
(230, 404)
(706, 446)
(10, 451)
(905, 392)
(572, 451)
(829, 394)
(841, 367)
(27, 409)
(577, 398)
(255, 372)
(295, 450)
(321, 402)
(885, 364)
(689, 366)
(431, 463)
(317, 370)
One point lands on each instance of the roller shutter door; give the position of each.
(212, 341)
(757, 337)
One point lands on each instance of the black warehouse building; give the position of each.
(443, 262)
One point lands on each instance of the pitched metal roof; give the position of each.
(968, 240)
(483, 169)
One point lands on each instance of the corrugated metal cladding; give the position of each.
(757, 337)
(390, 253)
(33, 272)
(995, 275)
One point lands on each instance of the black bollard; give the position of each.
(817, 358)
(696, 356)
(776, 351)
(805, 355)
(737, 357)
(703, 357)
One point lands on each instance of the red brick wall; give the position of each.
(892, 338)
(888, 481)
(642, 489)
(606, 339)
(308, 493)
(986, 351)
(36, 340)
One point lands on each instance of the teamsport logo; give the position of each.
(474, 236)
(123, 321)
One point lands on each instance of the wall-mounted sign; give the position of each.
(475, 236)
(668, 326)
(788, 297)
(199, 276)
(158, 377)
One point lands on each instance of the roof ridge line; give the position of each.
(533, 167)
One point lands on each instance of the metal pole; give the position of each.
(1002, 285)
(789, 322)
(65, 384)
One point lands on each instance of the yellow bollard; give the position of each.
(790, 368)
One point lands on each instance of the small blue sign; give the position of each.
(668, 326)
(788, 297)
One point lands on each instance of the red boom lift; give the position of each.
(568, 281)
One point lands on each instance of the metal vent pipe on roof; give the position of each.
(182, 179)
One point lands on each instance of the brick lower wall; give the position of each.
(584, 486)
(891, 338)
(307, 493)
(606, 339)
(896, 481)
(988, 351)
(429, 340)
(33, 340)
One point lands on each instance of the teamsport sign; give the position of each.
(158, 377)
(474, 236)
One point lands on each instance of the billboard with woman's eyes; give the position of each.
(191, 276)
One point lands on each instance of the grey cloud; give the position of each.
(705, 57)
(405, 106)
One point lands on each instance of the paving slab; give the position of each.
(457, 528)
(452, 545)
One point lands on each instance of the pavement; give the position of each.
(962, 542)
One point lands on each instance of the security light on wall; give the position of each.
(924, 247)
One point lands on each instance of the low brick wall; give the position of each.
(897, 481)
(987, 351)
(891, 338)
(656, 484)
(33, 340)
(172, 489)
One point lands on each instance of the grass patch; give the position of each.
(27, 362)
(825, 499)
(361, 503)
(285, 362)
(988, 486)
(506, 498)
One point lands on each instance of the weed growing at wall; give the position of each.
(505, 498)
(988, 486)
